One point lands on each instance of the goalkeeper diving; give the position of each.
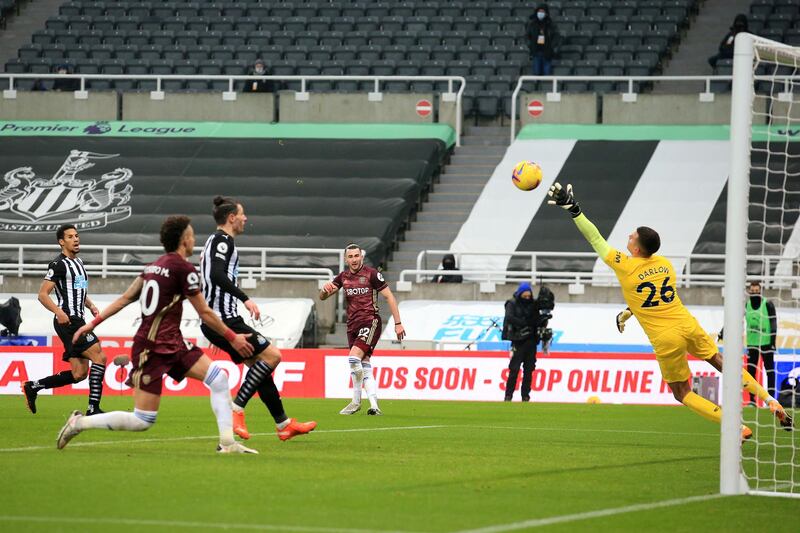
(648, 284)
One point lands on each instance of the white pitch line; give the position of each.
(205, 437)
(395, 428)
(186, 524)
(588, 430)
(538, 522)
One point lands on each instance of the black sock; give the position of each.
(255, 376)
(56, 380)
(96, 375)
(268, 393)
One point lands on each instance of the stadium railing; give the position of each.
(768, 263)
(450, 95)
(578, 279)
(630, 95)
(108, 267)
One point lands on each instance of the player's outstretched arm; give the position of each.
(210, 319)
(399, 330)
(565, 199)
(130, 295)
(328, 290)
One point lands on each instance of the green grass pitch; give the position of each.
(422, 467)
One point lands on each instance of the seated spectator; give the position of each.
(65, 84)
(726, 46)
(259, 86)
(448, 263)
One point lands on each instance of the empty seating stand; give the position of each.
(453, 37)
(778, 20)
(307, 193)
(7, 8)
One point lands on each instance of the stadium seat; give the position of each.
(469, 53)
(606, 37)
(625, 8)
(295, 53)
(52, 51)
(419, 53)
(454, 38)
(599, 9)
(632, 37)
(590, 24)
(101, 51)
(104, 23)
(505, 38)
(441, 23)
(370, 52)
(494, 52)
(16, 66)
(29, 51)
(596, 52)
(112, 66)
(150, 51)
(126, 52)
(43, 37)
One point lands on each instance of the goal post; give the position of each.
(731, 481)
(765, 163)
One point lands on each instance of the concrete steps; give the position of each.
(699, 43)
(448, 206)
(20, 27)
(457, 186)
(430, 216)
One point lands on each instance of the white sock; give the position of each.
(282, 425)
(119, 421)
(357, 373)
(370, 385)
(217, 382)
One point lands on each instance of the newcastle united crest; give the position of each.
(31, 204)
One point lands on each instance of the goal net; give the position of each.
(763, 244)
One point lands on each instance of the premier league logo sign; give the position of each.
(30, 204)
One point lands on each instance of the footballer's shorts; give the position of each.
(672, 345)
(149, 367)
(258, 341)
(65, 333)
(364, 335)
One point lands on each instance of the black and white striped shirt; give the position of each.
(219, 266)
(72, 284)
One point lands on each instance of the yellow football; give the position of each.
(527, 175)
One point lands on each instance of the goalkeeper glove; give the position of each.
(622, 317)
(564, 199)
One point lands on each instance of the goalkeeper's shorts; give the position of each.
(672, 345)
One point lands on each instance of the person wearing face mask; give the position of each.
(521, 327)
(542, 37)
(449, 263)
(761, 334)
(259, 86)
(726, 45)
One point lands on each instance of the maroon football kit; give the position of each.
(158, 346)
(361, 292)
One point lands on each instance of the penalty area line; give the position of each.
(207, 437)
(539, 522)
(186, 524)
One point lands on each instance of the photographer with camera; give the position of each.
(525, 325)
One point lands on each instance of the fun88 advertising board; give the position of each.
(588, 356)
